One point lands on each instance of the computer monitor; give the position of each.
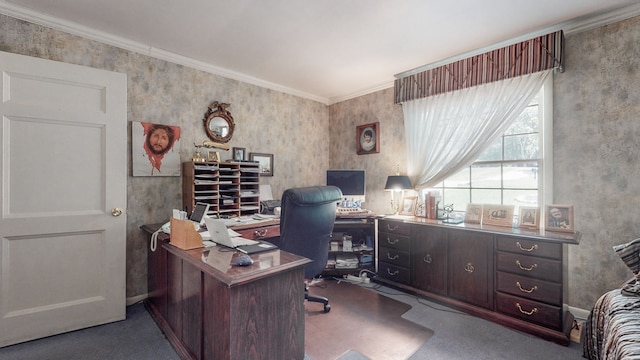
(350, 182)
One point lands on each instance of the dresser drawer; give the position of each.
(394, 256)
(530, 247)
(530, 266)
(260, 233)
(530, 311)
(394, 273)
(530, 288)
(393, 227)
(394, 241)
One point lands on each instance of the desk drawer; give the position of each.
(260, 233)
(530, 288)
(394, 241)
(393, 227)
(531, 311)
(395, 257)
(530, 247)
(395, 273)
(530, 266)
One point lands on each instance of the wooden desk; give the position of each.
(259, 230)
(209, 309)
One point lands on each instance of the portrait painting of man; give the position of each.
(156, 149)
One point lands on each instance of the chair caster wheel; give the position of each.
(327, 308)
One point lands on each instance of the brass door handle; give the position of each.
(116, 212)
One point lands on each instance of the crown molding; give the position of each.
(72, 28)
(570, 27)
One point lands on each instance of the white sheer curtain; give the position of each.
(447, 132)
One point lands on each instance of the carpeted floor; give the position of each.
(361, 322)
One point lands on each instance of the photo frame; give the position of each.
(408, 205)
(498, 215)
(155, 149)
(238, 153)
(265, 161)
(213, 156)
(559, 218)
(529, 217)
(368, 138)
(473, 214)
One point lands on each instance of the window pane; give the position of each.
(458, 197)
(486, 196)
(521, 147)
(527, 122)
(461, 179)
(486, 176)
(520, 176)
(521, 198)
(493, 153)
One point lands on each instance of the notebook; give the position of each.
(221, 235)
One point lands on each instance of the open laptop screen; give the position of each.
(199, 212)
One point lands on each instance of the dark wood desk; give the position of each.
(210, 309)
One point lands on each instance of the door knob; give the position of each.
(116, 212)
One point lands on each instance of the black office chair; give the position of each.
(306, 224)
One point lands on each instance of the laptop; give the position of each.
(224, 236)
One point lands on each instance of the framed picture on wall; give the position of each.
(368, 138)
(559, 218)
(265, 161)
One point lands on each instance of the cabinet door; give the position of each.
(471, 267)
(429, 259)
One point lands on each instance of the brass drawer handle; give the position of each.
(469, 268)
(392, 228)
(428, 259)
(534, 247)
(260, 233)
(393, 273)
(395, 257)
(525, 268)
(528, 313)
(534, 288)
(395, 241)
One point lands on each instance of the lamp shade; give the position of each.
(398, 182)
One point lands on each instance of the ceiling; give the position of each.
(327, 50)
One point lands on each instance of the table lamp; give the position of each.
(397, 183)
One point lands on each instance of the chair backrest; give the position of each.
(306, 224)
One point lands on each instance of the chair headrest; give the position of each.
(312, 195)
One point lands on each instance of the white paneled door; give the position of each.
(63, 148)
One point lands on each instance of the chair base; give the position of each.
(319, 299)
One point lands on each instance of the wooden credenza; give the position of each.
(210, 309)
(514, 277)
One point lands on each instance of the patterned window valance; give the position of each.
(537, 54)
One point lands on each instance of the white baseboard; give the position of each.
(578, 313)
(136, 299)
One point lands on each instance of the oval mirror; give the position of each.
(218, 122)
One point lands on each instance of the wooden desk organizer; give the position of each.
(184, 235)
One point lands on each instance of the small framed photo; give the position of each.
(213, 156)
(368, 138)
(559, 218)
(421, 209)
(498, 215)
(408, 205)
(529, 217)
(473, 214)
(265, 161)
(238, 153)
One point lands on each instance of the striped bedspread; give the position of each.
(612, 330)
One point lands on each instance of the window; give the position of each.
(510, 171)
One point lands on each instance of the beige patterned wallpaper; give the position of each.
(596, 128)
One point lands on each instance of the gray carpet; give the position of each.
(457, 336)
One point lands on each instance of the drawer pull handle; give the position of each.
(534, 288)
(394, 257)
(525, 268)
(428, 259)
(469, 268)
(392, 273)
(528, 313)
(260, 233)
(392, 228)
(534, 247)
(392, 242)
